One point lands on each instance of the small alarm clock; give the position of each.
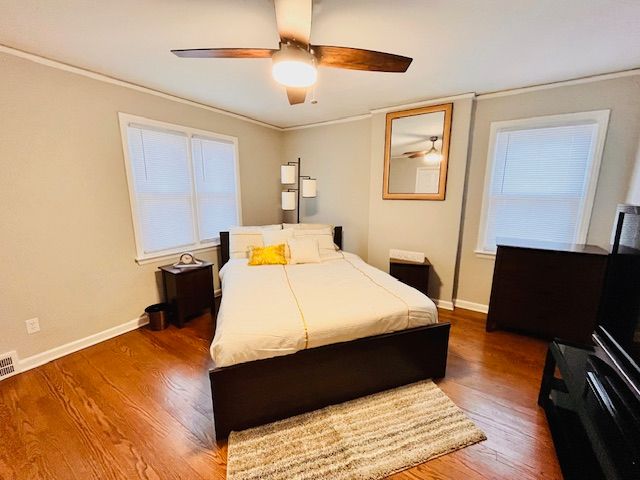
(187, 259)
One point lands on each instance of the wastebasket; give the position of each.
(158, 315)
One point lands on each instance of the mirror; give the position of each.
(416, 153)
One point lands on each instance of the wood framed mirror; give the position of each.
(416, 153)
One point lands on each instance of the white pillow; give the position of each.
(331, 255)
(304, 250)
(307, 226)
(323, 236)
(242, 238)
(251, 228)
(278, 237)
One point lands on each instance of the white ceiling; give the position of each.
(458, 46)
(409, 134)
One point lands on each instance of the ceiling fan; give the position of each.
(430, 157)
(295, 62)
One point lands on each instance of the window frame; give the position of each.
(599, 117)
(125, 119)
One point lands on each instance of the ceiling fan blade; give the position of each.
(296, 95)
(294, 20)
(417, 153)
(224, 53)
(359, 59)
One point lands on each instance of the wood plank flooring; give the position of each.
(139, 406)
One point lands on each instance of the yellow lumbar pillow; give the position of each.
(272, 255)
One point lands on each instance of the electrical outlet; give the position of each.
(33, 325)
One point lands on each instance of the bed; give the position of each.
(294, 339)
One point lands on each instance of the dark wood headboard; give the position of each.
(224, 244)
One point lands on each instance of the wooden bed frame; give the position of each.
(262, 391)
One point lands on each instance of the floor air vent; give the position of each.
(8, 365)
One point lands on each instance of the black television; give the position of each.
(620, 307)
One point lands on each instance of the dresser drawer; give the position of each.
(546, 293)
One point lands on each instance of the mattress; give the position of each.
(273, 310)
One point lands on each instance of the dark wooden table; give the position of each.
(188, 290)
(415, 275)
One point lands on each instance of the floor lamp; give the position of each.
(291, 174)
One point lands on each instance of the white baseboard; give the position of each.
(71, 347)
(476, 307)
(444, 304)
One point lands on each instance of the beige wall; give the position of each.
(66, 234)
(431, 227)
(402, 174)
(338, 156)
(621, 96)
(633, 192)
(348, 160)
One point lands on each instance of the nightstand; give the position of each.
(415, 275)
(188, 290)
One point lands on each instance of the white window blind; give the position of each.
(162, 186)
(183, 185)
(542, 180)
(215, 177)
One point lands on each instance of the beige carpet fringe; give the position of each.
(367, 438)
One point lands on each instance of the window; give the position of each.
(541, 178)
(183, 185)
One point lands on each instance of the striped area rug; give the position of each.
(367, 438)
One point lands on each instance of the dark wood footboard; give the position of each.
(262, 391)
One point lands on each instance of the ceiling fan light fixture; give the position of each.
(294, 67)
(433, 156)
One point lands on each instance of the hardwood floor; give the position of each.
(139, 406)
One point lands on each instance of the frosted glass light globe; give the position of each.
(433, 157)
(294, 73)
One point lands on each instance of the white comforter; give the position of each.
(273, 310)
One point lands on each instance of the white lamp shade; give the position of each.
(287, 174)
(309, 188)
(288, 200)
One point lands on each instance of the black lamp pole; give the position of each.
(298, 190)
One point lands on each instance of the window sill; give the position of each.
(174, 255)
(484, 254)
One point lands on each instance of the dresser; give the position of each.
(547, 289)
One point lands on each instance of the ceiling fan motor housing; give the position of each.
(294, 66)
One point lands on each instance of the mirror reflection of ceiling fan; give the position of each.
(295, 62)
(431, 157)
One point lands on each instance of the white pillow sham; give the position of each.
(307, 226)
(251, 228)
(323, 236)
(303, 250)
(242, 238)
(278, 237)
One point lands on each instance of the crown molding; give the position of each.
(393, 108)
(562, 83)
(424, 103)
(122, 83)
(353, 118)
